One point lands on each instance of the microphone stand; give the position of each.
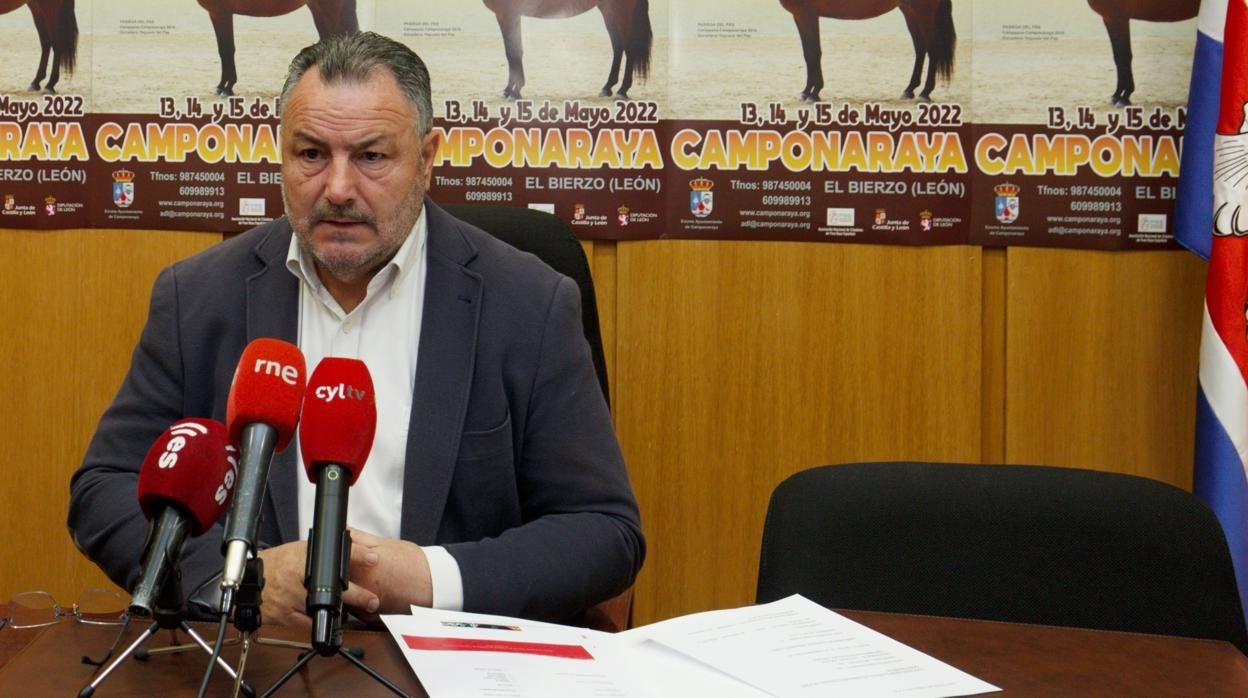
(247, 617)
(246, 603)
(168, 613)
(334, 646)
(327, 640)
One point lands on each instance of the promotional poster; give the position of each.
(897, 122)
(801, 121)
(1077, 136)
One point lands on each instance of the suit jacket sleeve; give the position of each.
(104, 516)
(579, 540)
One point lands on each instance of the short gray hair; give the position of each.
(352, 57)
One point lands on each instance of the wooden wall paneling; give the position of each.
(1102, 357)
(992, 449)
(740, 363)
(75, 301)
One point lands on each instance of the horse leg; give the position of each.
(45, 48)
(55, 77)
(61, 23)
(334, 18)
(319, 20)
(223, 27)
(348, 19)
(513, 46)
(920, 53)
(627, 82)
(808, 30)
(617, 53)
(1119, 29)
(637, 37)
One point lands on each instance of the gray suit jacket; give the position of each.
(512, 463)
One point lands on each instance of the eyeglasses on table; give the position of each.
(39, 609)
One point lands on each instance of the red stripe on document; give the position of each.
(459, 644)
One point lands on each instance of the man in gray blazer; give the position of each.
(510, 492)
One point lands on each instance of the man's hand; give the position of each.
(395, 571)
(284, 599)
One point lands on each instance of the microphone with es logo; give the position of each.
(185, 485)
(335, 437)
(261, 414)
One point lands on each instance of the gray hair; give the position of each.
(352, 57)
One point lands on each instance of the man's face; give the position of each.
(354, 171)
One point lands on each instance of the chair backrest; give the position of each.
(1031, 544)
(550, 239)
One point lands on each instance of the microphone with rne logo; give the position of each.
(185, 485)
(335, 437)
(261, 414)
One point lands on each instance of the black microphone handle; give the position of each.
(161, 553)
(255, 454)
(329, 555)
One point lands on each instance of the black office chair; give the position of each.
(1029, 544)
(550, 239)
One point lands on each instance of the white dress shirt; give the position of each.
(383, 331)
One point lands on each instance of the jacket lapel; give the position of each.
(273, 292)
(444, 365)
(273, 311)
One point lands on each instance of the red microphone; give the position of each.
(261, 414)
(267, 389)
(340, 417)
(185, 485)
(335, 437)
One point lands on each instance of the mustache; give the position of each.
(339, 212)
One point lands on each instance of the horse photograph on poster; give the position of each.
(209, 50)
(930, 23)
(332, 17)
(897, 54)
(1031, 58)
(628, 26)
(1117, 15)
(57, 27)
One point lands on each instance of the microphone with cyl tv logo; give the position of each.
(185, 484)
(335, 437)
(261, 415)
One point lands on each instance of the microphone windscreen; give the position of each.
(339, 416)
(267, 389)
(191, 465)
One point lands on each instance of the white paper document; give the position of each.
(792, 648)
(796, 648)
(468, 654)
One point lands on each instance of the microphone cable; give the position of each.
(215, 655)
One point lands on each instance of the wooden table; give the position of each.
(1024, 660)
(1042, 660)
(46, 662)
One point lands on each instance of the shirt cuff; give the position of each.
(444, 576)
